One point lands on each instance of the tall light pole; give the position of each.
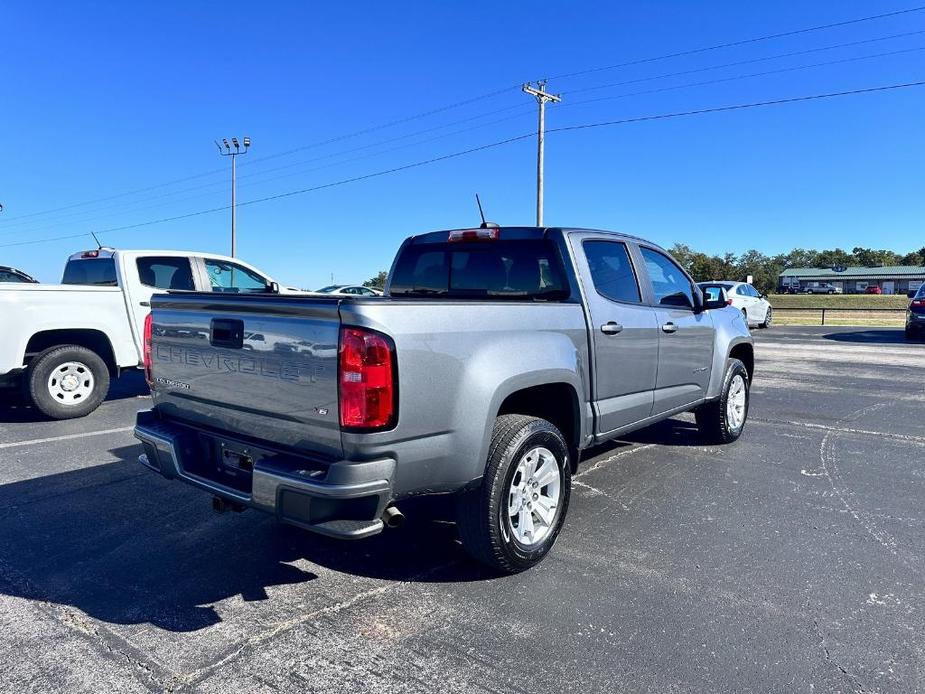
(541, 98)
(227, 151)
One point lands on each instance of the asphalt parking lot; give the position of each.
(791, 560)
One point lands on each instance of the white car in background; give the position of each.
(755, 307)
(349, 289)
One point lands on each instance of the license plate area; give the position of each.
(227, 463)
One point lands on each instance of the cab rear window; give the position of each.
(516, 270)
(99, 272)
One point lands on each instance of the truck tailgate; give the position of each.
(257, 366)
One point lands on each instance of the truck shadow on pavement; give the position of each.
(896, 336)
(125, 546)
(15, 407)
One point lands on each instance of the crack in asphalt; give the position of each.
(181, 682)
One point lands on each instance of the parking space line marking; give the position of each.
(66, 437)
(845, 430)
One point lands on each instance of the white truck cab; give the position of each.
(63, 342)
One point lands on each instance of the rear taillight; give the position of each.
(146, 350)
(728, 302)
(918, 302)
(366, 376)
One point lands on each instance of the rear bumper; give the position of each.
(344, 499)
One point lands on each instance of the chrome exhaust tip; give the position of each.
(392, 517)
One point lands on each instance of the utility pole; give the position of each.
(228, 152)
(541, 98)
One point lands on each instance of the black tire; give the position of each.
(768, 317)
(57, 407)
(712, 417)
(484, 525)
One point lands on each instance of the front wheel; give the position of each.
(67, 381)
(513, 519)
(722, 420)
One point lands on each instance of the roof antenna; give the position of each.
(484, 224)
(99, 246)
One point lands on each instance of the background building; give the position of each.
(893, 279)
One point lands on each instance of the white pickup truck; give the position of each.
(63, 342)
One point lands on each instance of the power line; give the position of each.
(389, 124)
(24, 227)
(737, 107)
(8, 231)
(742, 42)
(492, 145)
(738, 63)
(320, 143)
(18, 227)
(733, 78)
(496, 92)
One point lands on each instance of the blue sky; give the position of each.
(104, 107)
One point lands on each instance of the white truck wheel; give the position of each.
(67, 381)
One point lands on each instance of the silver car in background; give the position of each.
(755, 307)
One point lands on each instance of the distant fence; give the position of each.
(812, 315)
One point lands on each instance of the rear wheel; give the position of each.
(513, 519)
(67, 381)
(768, 317)
(722, 420)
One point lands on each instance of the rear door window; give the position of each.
(165, 272)
(611, 270)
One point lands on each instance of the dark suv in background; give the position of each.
(915, 315)
(11, 274)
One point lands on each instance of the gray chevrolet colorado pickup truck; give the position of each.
(496, 356)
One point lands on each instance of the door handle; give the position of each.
(144, 303)
(611, 328)
(669, 327)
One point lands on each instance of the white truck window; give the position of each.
(233, 278)
(165, 272)
(99, 272)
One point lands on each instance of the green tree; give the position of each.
(377, 282)
(832, 258)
